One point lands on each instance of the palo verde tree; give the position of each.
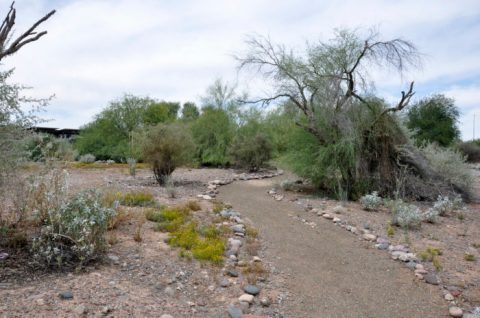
(356, 143)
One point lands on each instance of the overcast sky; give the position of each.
(97, 50)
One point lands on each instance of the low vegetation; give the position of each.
(73, 234)
(200, 241)
(431, 254)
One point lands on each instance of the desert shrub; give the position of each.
(209, 249)
(371, 202)
(170, 187)
(390, 230)
(154, 215)
(444, 205)
(166, 147)
(87, 158)
(74, 233)
(137, 198)
(41, 147)
(431, 215)
(132, 166)
(451, 165)
(431, 254)
(134, 198)
(185, 237)
(169, 219)
(193, 205)
(469, 257)
(205, 248)
(251, 152)
(287, 185)
(405, 215)
(471, 150)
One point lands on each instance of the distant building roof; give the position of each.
(59, 132)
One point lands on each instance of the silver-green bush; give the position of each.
(451, 165)
(444, 205)
(371, 202)
(431, 215)
(87, 158)
(73, 234)
(405, 215)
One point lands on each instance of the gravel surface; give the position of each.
(329, 272)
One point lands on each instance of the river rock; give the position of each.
(234, 311)
(80, 309)
(66, 295)
(251, 289)
(369, 237)
(455, 311)
(232, 273)
(431, 278)
(246, 298)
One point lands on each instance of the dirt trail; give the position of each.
(328, 271)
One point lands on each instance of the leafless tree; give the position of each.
(9, 45)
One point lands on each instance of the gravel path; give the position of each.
(328, 272)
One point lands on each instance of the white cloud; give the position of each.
(97, 50)
(469, 98)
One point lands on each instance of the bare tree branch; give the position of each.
(27, 37)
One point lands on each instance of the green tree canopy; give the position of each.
(190, 111)
(434, 119)
(108, 136)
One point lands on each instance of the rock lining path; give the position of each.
(329, 272)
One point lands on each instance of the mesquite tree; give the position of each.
(360, 143)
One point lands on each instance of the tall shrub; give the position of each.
(165, 147)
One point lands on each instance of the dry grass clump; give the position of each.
(193, 205)
(252, 247)
(253, 271)
(469, 257)
(431, 255)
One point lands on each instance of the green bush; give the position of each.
(165, 147)
(73, 234)
(205, 247)
(212, 134)
(251, 153)
(136, 198)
